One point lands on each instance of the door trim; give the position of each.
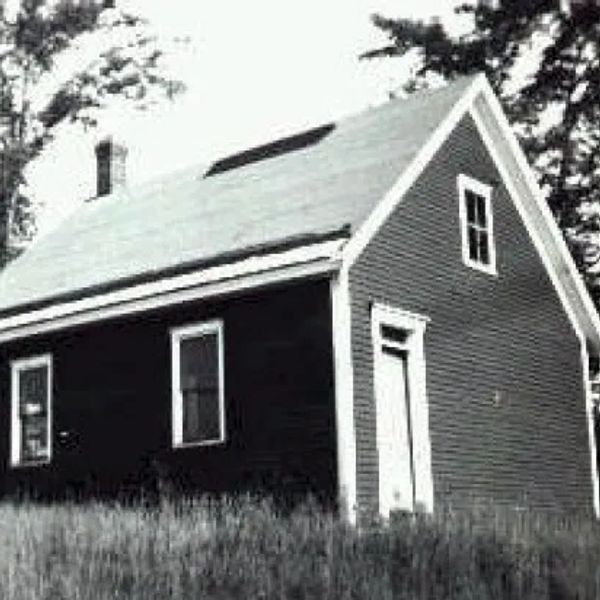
(414, 325)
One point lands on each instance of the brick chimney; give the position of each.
(111, 158)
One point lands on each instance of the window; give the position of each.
(198, 401)
(476, 221)
(31, 406)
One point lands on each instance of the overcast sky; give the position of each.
(255, 71)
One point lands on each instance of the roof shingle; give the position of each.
(311, 189)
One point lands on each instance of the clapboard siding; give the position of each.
(112, 398)
(504, 380)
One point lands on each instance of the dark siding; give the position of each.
(507, 413)
(112, 401)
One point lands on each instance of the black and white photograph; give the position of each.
(299, 300)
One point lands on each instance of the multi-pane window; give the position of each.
(476, 224)
(477, 231)
(198, 401)
(31, 404)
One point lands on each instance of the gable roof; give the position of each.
(299, 206)
(325, 186)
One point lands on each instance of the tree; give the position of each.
(32, 104)
(545, 67)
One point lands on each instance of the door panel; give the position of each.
(395, 452)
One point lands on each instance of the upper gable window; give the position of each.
(476, 222)
(31, 403)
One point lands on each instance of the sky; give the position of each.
(254, 71)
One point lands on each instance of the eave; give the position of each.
(254, 272)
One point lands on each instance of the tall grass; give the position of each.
(246, 549)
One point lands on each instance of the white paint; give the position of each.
(17, 367)
(589, 413)
(396, 485)
(464, 184)
(178, 334)
(393, 423)
(252, 272)
(344, 395)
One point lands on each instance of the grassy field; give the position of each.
(245, 549)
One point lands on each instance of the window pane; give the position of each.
(481, 215)
(394, 334)
(33, 407)
(34, 438)
(33, 389)
(200, 416)
(473, 243)
(484, 249)
(471, 200)
(199, 376)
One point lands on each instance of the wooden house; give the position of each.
(379, 311)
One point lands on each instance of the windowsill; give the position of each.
(488, 270)
(205, 444)
(31, 465)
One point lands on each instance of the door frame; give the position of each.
(414, 325)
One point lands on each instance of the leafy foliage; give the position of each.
(31, 43)
(555, 109)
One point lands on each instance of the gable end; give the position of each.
(503, 359)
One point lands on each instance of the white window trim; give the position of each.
(17, 367)
(177, 335)
(415, 324)
(466, 183)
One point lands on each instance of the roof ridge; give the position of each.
(336, 180)
(298, 139)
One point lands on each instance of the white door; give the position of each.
(396, 485)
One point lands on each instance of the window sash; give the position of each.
(198, 416)
(31, 408)
(478, 244)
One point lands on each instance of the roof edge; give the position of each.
(189, 266)
(310, 260)
(361, 238)
(550, 244)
